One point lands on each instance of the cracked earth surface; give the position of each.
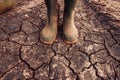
(96, 55)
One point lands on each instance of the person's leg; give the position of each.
(48, 34)
(70, 32)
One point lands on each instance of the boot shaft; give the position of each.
(69, 7)
(51, 8)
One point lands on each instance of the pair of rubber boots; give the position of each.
(70, 32)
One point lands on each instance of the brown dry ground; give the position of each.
(96, 55)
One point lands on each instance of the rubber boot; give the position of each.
(49, 32)
(70, 32)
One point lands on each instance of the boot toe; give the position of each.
(70, 39)
(47, 39)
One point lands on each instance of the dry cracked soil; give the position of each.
(96, 55)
